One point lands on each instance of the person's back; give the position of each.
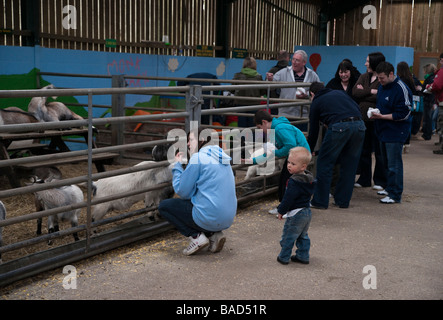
(214, 200)
(287, 136)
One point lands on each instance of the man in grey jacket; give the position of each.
(297, 72)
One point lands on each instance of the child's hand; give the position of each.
(280, 217)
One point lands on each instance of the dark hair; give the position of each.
(344, 66)
(374, 59)
(197, 134)
(316, 87)
(404, 73)
(385, 67)
(261, 115)
(283, 55)
(441, 56)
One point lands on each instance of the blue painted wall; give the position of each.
(20, 60)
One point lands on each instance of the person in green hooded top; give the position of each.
(287, 137)
(248, 72)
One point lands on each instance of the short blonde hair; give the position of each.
(301, 153)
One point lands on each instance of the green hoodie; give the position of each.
(249, 72)
(286, 137)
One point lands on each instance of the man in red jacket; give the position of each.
(437, 88)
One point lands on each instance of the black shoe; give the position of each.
(281, 261)
(317, 207)
(340, 206)
(438, 151)
(295, 259)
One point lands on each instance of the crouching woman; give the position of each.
(207, 203)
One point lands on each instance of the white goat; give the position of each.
(132, 181)
(266, 168)
(52, 111)
(2, 217)
(55, 198)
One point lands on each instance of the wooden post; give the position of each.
(118, 110)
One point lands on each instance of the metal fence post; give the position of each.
(194, 102)
(118, 110)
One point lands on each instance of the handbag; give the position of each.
(417, 103)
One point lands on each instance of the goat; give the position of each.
(2, 217)
(52, 111)
(133, 181)
(55, 198)
(14, 115)
(264, 169)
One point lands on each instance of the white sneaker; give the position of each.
(387, 200)
(357, 185)
(196, 244)
(376, 187)
(216, 242)
(273, 211)
(383, 193)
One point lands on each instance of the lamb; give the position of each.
(133, 181)
(2, 217)
(55, 198)
(52, 111)
(264, 169)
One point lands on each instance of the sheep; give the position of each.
(2, 217)
(133, 181)
(55, 198)
(264, 169)
(52, 111)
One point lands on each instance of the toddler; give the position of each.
(295, 207)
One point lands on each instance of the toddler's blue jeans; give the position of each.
(296, 231)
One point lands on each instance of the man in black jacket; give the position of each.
(341, 144)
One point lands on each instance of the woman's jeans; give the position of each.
(342, 144)
(392, 154)
(179, 213)
(370, 145)
(296, 231)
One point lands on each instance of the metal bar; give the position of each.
(89, 194)
(78, 180)
(45, 213)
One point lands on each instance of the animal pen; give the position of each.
(137, 225)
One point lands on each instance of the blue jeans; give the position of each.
(342, 144)
(179, 213)
(392, 154)
(296, 231)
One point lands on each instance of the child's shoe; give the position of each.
(295, 259)
(281, 261)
